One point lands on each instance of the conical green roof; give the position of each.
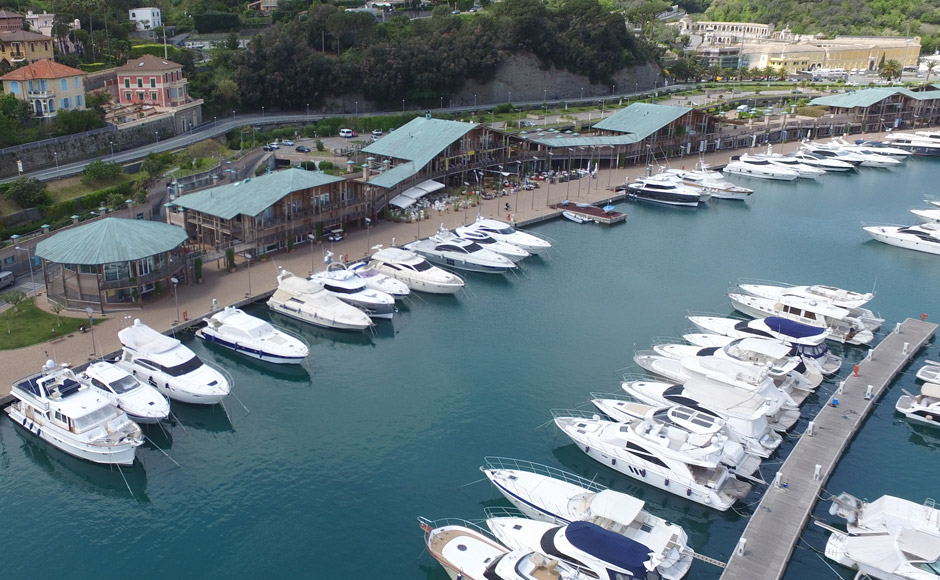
(110, 240)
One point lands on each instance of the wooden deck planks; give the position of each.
(779, 519)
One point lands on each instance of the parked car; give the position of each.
(269, 147)
(302, 149)
(6, 279)
(287, 142)
(335, 235)
(376, 132)
(274, 146)
(347, 133)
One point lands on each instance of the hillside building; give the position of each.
(47, 86)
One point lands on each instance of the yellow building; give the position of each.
(47, 86)
(22, 45)
(858, 53)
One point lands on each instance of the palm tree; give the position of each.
(890, 69)
(930, 66)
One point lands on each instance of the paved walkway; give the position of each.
(195, 300)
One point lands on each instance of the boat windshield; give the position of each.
(421, 266)
(183, 368)
(123, 384)
(94, 418)
(341, 289)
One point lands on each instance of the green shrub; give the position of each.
(325, 165)
(27, 192)
(99, 171)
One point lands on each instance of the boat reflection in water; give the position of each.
(81, 475)
(211, 418)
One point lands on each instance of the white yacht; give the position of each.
(142, 402)
(927, 215)
(379, 281)
(558, 497)
(889, 539)
(930, 372)
(777, 358)
(827, 164)
(809, 341)
(760, 168)
(642, 451)
(461, 254)
(351, 289)
(667, 189)
(171, 367)
(711, 181)
(233, 329)
(309, 302)
(747, 417)
(506, 233)
(923, 408)
(915, 143)
(851, 301)
(511, 251)
(597, 552)
(830, 151)
(467, 553)
(75, 418)
(415, 271)
(804, 170)
(922, 238)
(870, 158)
(842, 325)
(874, 147)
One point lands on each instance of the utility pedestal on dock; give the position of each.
(783, 512)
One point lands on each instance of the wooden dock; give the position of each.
(779, 519)
(592, 213)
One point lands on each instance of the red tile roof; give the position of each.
(147, 63)
(42, 69)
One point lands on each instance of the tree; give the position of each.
(99, 170)
(27, 192)
(57, 307)
(14, 298)
(890, 69)
(931, 64)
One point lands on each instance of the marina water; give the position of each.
(321, 472)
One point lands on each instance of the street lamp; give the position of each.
(510, 97)
(403, 105)
(544, 95)
(312, 239)
(156, 135)
(30, 260)
(262, 112)
(111, 143)
(55, 155)
(368, 235)
(357, 109)
(215, 122)
(474, 100)
(308, 110)
(248, 257)
(582, 93)
(442, 102)
(176, 298)
(91, 323)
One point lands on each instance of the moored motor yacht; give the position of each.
(351, 289)
(170, 366)
(415, 271)
(851, 301)
(810, 341)
(748, 417)
(930, 372)
(468, 553)
(889, 539)
(253, 337)
(558, 497)
(309, 302)
(711, 181)
(461, 254)
(142, 402)
(869, 158)
(874, 147)
(842, 325)
(667, 189)
(804, 170)
(642, 452)
(827, 164)
(922, 238)
(831, 151)
(506, 233)
(597, 552)
(923, 408)
(748, 166)
(927, 215)
(73, 417)
(915, 143)
(376, 280)
(511, 251)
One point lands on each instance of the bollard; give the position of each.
(816, 472)
(906, 346)
(778, 479)
(809, 428)
(741, 543)
(897, 328)
(869, 393)
(215, 305)
(841, 387)
(855, 371)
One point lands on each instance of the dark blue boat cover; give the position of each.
(610, 547)
(791, 328)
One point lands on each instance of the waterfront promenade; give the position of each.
(778, 521)
(260, 278)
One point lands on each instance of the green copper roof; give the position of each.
(110, 240)
(418, 141)
(862, 98)
(252, 196)
(641, 119)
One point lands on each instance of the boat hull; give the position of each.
(889, 236)
(663, 197)
(121, 454)
(315, 320)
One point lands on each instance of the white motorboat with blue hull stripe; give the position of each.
(253, 337)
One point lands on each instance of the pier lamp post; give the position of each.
(536, 164)
(568, 187)
(176, 298)
(91, 324)
(312, 239)
(248, 257)
(30, 260)
(548, 182)
(368, 235)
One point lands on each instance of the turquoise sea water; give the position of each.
(325, 475)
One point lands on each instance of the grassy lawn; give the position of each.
(65, 189)
(32, 325)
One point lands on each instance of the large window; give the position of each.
(145, 266)
(116, 271)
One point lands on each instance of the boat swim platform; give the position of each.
(778, 521)
(591, 213)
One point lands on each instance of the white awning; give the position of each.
(413, 194)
